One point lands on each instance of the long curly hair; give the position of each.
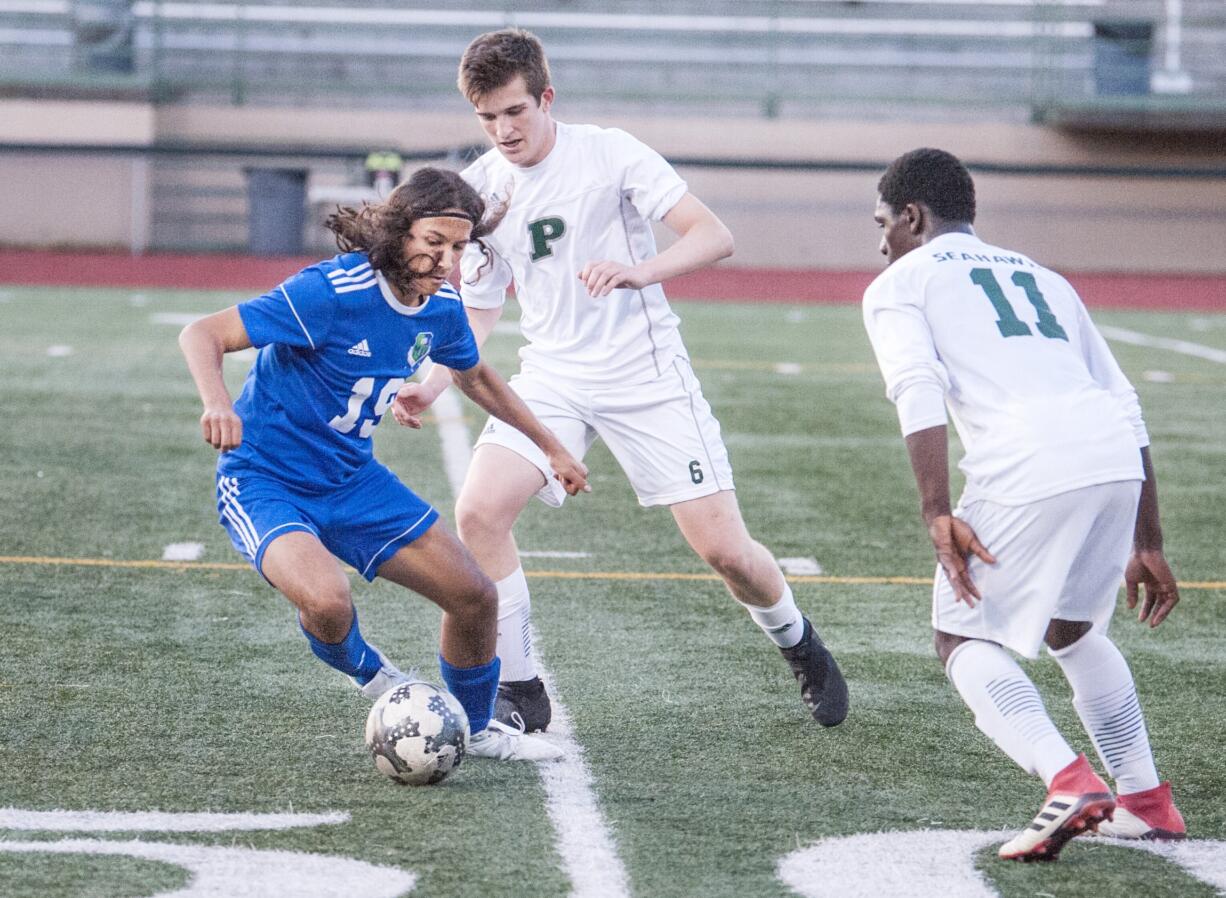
(380, 229)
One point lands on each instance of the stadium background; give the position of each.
(1097, 127)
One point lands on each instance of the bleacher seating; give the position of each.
(1008, 58)
(1107, 62)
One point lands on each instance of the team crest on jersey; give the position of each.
(420, 348)
(543, 232)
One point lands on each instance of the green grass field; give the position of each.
(133, 687)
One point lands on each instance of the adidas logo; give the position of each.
(362, 349)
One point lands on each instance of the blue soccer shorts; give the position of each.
(363, 523)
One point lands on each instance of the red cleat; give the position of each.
(1077, 801)
(1146, 815)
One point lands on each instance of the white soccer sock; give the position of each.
(515, 627)
(1106, 701)
(1008, 709)
(782, 622)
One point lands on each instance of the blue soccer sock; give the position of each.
(352, 656)
(475, 687)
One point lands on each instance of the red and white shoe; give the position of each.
(1146, 815)
(1077, 801)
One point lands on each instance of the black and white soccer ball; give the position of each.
(417, 733)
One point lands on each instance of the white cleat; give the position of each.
(505, 743)
(388, 677)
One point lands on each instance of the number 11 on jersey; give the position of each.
(1007, 321)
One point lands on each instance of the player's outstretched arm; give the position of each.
(1148, 566)
(414, 398)
(953, 539)
(485, 386)
(204, 343)
(702, 240)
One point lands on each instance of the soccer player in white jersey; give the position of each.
(298, 486)
(1060, 501)
(604, 357)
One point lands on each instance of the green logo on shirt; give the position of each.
(545, 231)
(421, 348)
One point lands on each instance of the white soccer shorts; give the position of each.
(661, 432)
(1061, 557)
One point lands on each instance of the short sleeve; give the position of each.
(483, 280)
(458, 350)
(299, 312)
(651, 184)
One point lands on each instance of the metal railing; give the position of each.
(1008, 58)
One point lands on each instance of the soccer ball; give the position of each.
(417, 733)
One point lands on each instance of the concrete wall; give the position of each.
(61, 199)
(780, 219)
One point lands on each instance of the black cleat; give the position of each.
(525, 699)
(822, 687)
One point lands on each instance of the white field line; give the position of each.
(1158, 377)
(922, 864)
(157, 821)
(238, 872)
(1186, 347)
(183, 552)
(584, 841)
(939, 863)
(453, 434)
(588, 851)
(806, 566)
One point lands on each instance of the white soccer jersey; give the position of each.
(1038, 400)
(591, 199)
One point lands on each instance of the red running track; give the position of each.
(254, 274)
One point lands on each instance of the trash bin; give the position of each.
(1121, 57)
(276, 211)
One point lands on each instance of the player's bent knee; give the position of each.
(945, 643)
(1063, 633)
(477, 519)
(478, 601)
(331, 602)
(731, 561)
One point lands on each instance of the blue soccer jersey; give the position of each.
(335, 347)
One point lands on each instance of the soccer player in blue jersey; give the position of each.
(298, 486)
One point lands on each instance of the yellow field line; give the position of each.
(553, 575)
